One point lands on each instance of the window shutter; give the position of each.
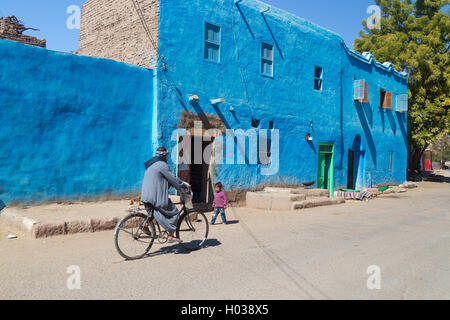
(358, 90)
(366, 93)
(387, 101)
(361, 91)
(401, 103)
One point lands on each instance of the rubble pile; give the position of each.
(12, 29)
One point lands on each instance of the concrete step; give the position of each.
(284, 201)
(273, 200)
(317, 202)
(309, 193)
(313, 193)
(279, 190)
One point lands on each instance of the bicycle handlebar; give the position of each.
(186, 196)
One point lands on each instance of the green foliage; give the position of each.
(414, 38)
(441, 149)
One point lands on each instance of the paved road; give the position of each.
(320, 253)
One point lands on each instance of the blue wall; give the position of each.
(71, 127)
(78, 127)
(288, 99)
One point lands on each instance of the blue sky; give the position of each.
(343, 17)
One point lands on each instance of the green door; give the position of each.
(325, 168)
(321, 172)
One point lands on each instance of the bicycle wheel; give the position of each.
(192, 229)
(133, 239)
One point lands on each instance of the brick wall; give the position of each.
(112, 29)
(8, 31)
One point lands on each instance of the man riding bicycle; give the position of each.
(155, 192)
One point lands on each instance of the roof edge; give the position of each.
(368, 58)
(365, 57)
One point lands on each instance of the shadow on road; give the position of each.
(428, 176)
(178, 249)
(228, 222)
(437, 178)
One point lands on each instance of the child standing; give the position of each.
(220, 203)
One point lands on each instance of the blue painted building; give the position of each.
(81, 127)
(288, 74)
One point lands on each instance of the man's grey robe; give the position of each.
(155, 190)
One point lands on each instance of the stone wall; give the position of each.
(10, 30)
(112, 29)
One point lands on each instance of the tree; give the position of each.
(414, 38)
(441, 150)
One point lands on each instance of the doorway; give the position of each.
(351, 170)
(325, 168)
(356, 169)
(196, 168)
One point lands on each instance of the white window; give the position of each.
(212, 43)
(267, 60)
(359, 88)
(401, 103)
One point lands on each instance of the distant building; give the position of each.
(121, 30)
(12, 29)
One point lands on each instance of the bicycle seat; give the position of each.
(165, 212)
(152, 207)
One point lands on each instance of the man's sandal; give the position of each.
(175, 240)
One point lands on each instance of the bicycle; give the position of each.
(138, 230)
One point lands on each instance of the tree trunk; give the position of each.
(415, 158)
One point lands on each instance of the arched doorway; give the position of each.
(356, 165)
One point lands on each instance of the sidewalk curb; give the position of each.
(18, 220)
(44, 230)
(317, 202)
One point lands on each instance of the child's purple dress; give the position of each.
(220, 201)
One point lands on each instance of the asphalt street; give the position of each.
(320, 253)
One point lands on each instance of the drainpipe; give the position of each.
(155, 127)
